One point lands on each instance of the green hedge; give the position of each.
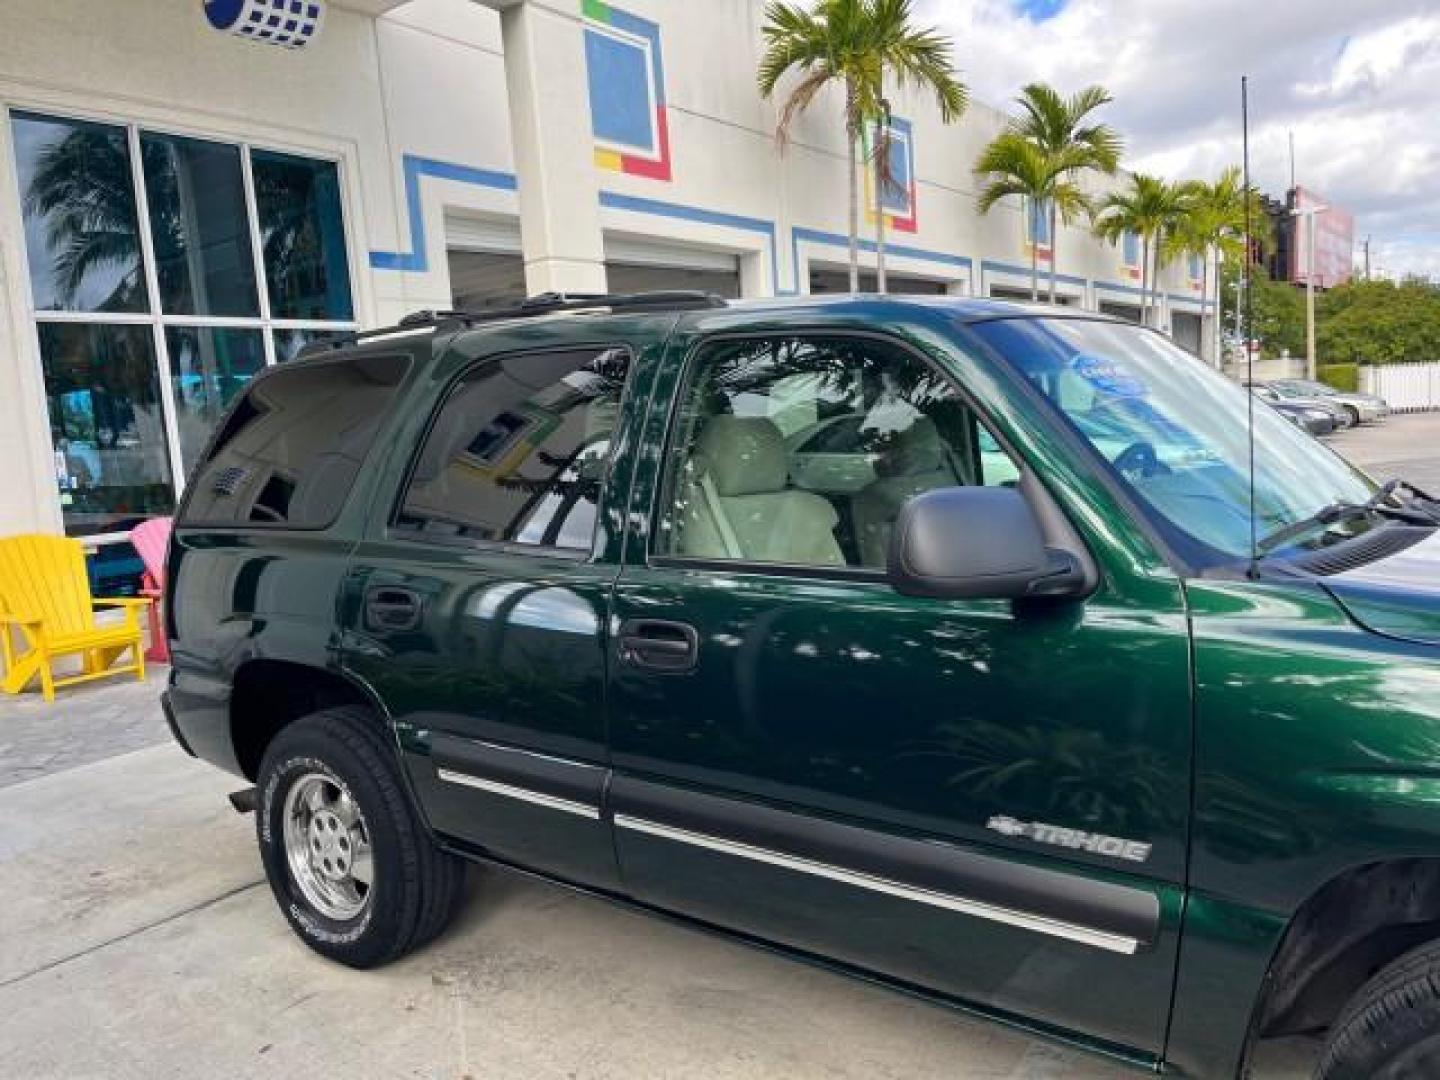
(1344, 377)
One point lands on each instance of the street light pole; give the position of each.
(1309, 213)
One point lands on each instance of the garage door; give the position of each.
(1120, 311)
(1010, 292)
(486, 270)
(635, 264)
(1185, 329)
(481, 280)
(830, 280)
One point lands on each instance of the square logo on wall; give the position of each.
(898, 198)
(626, 78)
(1130, 256)
(1035, 227)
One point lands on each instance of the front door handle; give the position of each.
(390, 609)
(659, 645)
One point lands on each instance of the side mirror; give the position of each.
(977, 543)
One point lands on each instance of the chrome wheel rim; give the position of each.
(327, 846)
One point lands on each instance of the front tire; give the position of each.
(1390, 1029)
(348, 859)
(1354, 415)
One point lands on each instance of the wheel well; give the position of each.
(269, 694)
(1343, 934)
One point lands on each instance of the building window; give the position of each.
(208, 367)
(82, 227)
(302, 236)
(165, 271)
(199, 227)
(103, 393)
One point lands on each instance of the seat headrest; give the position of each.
(914, 451)
(744, 455)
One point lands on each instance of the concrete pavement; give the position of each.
(1406, 446)
(140, 941)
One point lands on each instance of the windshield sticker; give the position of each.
(1107, 376)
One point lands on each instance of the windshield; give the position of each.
(1175, 432)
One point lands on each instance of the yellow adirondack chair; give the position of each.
(45, 597)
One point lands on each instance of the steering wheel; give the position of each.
(1139, 461)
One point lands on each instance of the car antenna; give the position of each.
(1249, 320)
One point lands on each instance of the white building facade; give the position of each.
(192, 189)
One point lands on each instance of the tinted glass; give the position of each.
(82, 234)
(302, 235)
(199, 225)
(802, 451)
(1177, 433)
(290, 451)
(208, 367)
(111, 462)
(519, 451)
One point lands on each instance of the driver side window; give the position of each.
(801, 451)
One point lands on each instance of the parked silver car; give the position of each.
(1364, 408)
(1344, 417)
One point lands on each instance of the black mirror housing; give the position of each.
(977, 543)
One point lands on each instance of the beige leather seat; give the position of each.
(738, 506)
(914, 463)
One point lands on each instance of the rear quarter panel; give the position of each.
(239, 593)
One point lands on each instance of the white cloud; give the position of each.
(1355, 82)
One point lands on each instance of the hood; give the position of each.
(1398, 596)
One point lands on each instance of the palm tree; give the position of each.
(1016, 165)
(1214, 226)
(1151, 208)
(1062, 127)
(854, 44)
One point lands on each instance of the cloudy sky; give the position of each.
(1357, 81)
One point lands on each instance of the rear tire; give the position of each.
(1390, 1029)
(1354, 415)
(349, 861)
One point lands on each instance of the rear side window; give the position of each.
(519, 450)
(290, 451)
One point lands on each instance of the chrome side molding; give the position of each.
(1085, 935)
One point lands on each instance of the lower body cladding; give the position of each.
(1070, 952)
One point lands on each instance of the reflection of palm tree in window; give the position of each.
(83, 189)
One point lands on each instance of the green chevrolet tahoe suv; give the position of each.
(950, 642)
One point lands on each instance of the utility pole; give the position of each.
(1310, 213)
(1367, 258)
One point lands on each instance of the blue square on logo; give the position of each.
(256, 16)
(274, 20)
(619, 79)
(313, 11)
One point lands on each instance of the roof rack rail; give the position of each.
(540, 304)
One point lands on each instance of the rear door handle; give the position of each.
(392, 609)
(659, 645)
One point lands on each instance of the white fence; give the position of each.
(1407, 387)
